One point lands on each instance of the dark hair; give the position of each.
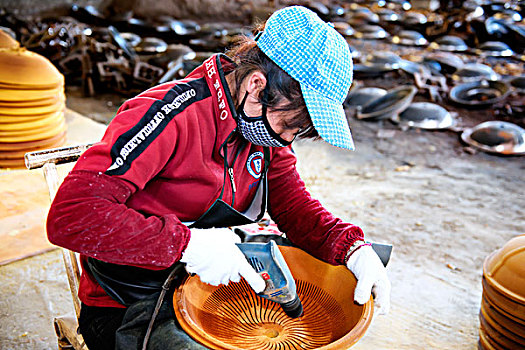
(280, 86)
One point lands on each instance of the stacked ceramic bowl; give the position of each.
(502, 316)
(32, 103)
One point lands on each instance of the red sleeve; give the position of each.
(304, 220)
(137, 144)
(88, 215)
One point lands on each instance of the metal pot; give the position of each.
(449, 43)
(474, 72)
(363, 16)
(395, 101)
(383, 58)
(409, 38)
(362, 96)
(448, 62)
(388, 15)
(414, 18)
(495, 49)
(479, 93)
(496, 137)
(414, 68)
(425, 115)
(344, 28)
(371, 70)
(370, 32)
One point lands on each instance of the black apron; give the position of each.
(129, 284)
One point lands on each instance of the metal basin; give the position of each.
(344, 28)
(370, 32)
(414, 18)
(395, 101)
(362, 96)
(384, 58)
(449, 43)
(474, 72)
(425, 115)
(364, 16)
(414, 67)
(496, 137)
(494, 49)
(448, 62)
(479, 93)
(388, 15)
(370, 70)
(409, 38)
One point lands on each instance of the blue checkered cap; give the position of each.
(312, 52)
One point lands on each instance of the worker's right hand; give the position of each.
(213, 255)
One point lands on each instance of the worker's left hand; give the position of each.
(371, 278)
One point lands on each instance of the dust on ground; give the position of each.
(444, 210)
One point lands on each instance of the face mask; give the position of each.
(257, 130)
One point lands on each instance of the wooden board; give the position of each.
(23, 207)
(24, 198)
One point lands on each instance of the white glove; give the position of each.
(371, 278)
(213, 255)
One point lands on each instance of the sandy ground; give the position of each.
(444, 210)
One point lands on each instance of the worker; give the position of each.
(185, 160)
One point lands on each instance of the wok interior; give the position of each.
(233, 316)
(492, 137)
(386, 101)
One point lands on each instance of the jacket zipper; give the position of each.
(230, 171)
(229, 167)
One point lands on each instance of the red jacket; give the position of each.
(159, 163)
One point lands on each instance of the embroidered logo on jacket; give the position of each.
(255, 164)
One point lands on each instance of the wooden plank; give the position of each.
(24, 203)
(24, 197)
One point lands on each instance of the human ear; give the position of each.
(256, 83)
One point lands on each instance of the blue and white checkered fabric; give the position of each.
(318, 57)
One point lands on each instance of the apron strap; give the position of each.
(266, 151)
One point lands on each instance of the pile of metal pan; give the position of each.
(32, 103)
(502, 314)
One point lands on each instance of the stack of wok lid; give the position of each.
(7, 41)
(502, 316)
(32, 103)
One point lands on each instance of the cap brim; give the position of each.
(329, 118)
